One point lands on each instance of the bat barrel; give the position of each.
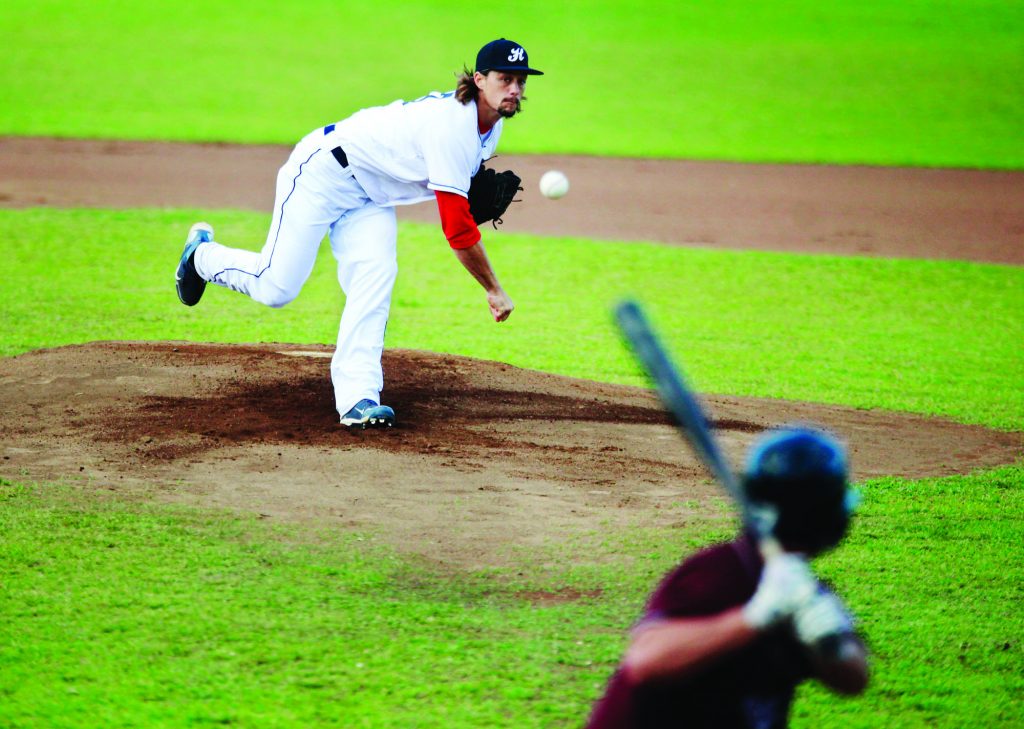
(684, 407)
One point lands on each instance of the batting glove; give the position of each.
(823, 616)
(786, 584)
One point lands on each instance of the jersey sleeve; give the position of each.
(706, 584)
(450, 151)
(457, 222)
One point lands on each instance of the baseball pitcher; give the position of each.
(344, 180)
(727, 636)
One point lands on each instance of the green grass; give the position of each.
(923, 82)
(119, 616)
(935, 573)
(122, 614)
(931, 337)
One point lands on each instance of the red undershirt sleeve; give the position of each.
(456, 221)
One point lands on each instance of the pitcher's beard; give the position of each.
(507, 111)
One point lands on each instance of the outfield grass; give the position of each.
(922, 82)
(121, 614)
(931, 337)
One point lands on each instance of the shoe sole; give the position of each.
(371, 421)
(194, 237)
(180, 276)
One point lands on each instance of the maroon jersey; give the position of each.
(749, 689)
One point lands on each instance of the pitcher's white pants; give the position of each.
(317, 196)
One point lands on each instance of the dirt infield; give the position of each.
(873, 211)
(486, 457)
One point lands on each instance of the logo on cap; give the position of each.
(504, 55)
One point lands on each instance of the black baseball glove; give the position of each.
(490, 194)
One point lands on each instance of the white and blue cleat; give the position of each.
(187, 280)
(368, 414)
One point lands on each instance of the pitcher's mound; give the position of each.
(484, 457)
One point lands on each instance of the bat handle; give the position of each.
(769, 547)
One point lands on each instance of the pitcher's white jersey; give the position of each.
(401, 153)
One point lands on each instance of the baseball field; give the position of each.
(821, 205)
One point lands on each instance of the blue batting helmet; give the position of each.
(801, 473)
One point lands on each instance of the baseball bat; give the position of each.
(689, 416)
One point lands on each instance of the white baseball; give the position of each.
(554, 184)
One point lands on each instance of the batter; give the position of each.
(344, 181)
(726, 637)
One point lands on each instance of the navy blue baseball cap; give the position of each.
(504, 55)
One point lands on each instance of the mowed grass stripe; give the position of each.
(879, 82)
(931, 337)
(120, 615)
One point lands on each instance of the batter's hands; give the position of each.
(787, 584)
(501, 305)
(823, 616)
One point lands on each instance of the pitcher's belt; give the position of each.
(338, 152)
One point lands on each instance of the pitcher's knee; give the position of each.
(274, 296)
